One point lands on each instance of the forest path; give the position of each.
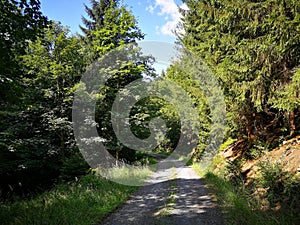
(174, 195)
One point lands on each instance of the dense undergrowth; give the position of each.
(272, 198)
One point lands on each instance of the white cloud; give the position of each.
(169, 27)
(170, 11)
(167, 7)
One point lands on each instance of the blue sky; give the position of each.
(156, 18)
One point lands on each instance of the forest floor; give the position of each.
(172, 195)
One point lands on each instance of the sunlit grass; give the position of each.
(81, 203)
(133, 176)
(237, 204)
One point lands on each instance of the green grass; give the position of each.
(238, 206)
(227, 144)
(133, 176)
(81, 203)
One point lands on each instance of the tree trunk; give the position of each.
(291, 121)
(117, 157)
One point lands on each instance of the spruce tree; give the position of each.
(108, 26)
(253, 47)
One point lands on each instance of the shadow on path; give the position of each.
(181, 200)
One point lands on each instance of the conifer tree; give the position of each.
(108, 26)
(253, 47)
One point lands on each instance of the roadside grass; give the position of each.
(144, 158)
(133, 176)
(83, 202)
(164, 153)
(238, 206)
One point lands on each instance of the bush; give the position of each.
(73, 167)
(233, 172)
(282, 188)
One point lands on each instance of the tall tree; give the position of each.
(37, 144)
(109, 25)
(20, 22)
(96, 14)
(253, 47)
(180, 74)
(109, 28)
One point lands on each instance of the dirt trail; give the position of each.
(174, 195)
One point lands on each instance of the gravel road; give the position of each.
(173, 195)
